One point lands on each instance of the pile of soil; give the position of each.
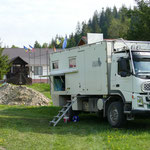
(21, 95)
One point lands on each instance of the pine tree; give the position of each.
(45, 45)
(95, 23)
(118, 29)
(140, 22)
(115, 12)
(78, 28)
(4, 64)
(102, 22)
(13, 46)
(37, 45)
(85, 29)
(71, 41)
(123, 13)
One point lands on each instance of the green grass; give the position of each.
(26, 128)
(44, 88)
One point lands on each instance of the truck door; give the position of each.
(122, 81)
(81, 67)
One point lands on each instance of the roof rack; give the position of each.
(131, 45)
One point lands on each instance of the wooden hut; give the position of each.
(19, 72)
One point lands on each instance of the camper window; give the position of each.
(72, 62)
(55, 65)
(59, 83)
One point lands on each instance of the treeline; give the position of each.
(127, 23)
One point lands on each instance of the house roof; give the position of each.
(39, 56)
(82, 41)
(18, 60)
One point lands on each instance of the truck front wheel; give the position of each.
(115, 115)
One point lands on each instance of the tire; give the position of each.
(115, 115)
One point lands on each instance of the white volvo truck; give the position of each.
(112, 77)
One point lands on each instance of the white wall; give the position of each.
(38, 76)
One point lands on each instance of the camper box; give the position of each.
(80, 71)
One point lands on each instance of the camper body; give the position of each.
(112, 77)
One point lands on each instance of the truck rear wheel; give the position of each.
(115, 115)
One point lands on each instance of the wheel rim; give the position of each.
(114, 115)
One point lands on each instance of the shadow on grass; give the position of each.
(36, 119)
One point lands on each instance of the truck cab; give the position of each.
(132, 82)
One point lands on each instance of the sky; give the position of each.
(22, 22)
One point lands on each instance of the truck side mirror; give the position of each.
(123, 67)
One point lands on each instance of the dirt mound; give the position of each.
(21, 95)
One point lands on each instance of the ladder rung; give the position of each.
(56, 116)
(52, 122)
(61, 111)
(65, 106)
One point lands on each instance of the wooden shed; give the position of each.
(19, 72)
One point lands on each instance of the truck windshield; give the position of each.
(141, 61)
(142, 66)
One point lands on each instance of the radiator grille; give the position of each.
(146, 87)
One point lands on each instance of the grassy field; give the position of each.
(27, 128)
(41, 87)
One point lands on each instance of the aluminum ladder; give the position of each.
(62, 112)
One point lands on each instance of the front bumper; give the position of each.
(140, 112)
(143, 106)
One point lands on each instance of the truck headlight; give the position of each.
(140, 100)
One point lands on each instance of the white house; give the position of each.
(38, 61)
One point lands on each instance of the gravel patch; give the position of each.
(21, 95)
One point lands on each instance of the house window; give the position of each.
(38, 70)
(72, 62)
(55, 65)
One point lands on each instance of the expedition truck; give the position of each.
(111, 76)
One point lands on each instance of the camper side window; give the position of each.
(72, 62)
(55, 65)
